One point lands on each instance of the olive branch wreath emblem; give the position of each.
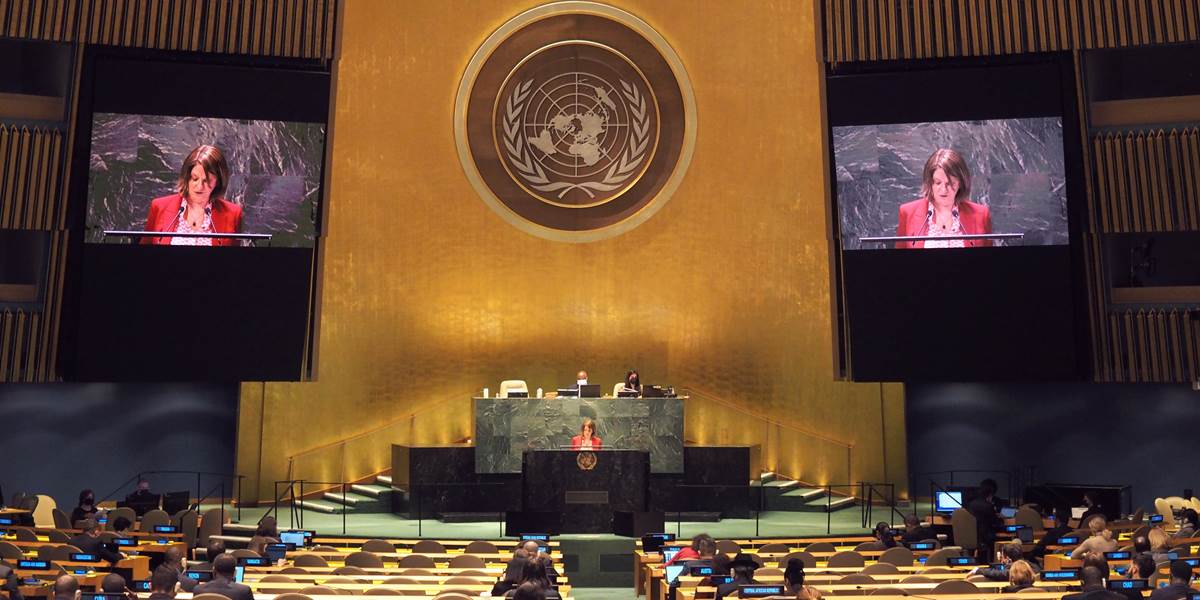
(534, 174)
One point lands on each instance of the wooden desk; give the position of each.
(385, 571)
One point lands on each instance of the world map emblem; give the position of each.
(575, 137)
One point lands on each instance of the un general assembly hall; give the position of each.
(599, 299)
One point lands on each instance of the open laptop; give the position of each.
(591, 390)
(672, 573)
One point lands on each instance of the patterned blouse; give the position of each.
(182, 226)
(932, 230)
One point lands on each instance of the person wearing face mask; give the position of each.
(633, 382)
(198, 204)
(86, 508)
(944, 208)
(581, 379)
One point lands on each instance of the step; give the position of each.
(830, 505)
(468, 517)
(367, 489)
(767, 476)
(236, 528)
(319, 506)
(805, 494)
(699, 517)
(351, 500)
(383, 479)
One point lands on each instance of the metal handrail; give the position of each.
(200, 497)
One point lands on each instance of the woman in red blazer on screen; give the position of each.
(944, 208)
(198, 204)
(586, 440)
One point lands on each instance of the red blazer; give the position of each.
(164, 212)
(974, 218)
(577, 442)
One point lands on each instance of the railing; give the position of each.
(369, 452)
(792, 451)
(295, 511)
(948, 477)
(233, 479)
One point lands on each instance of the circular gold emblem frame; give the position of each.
(586, 461)
(463, 100)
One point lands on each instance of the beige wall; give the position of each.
(428, 295)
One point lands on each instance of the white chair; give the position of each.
(509, 386)
(1164, 508)
(617, 389)
(43, 515)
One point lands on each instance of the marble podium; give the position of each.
(507, 427)
(565, 491)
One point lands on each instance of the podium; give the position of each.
(569, 491)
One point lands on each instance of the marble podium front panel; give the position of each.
(507, 427)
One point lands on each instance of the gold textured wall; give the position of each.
(429, 295)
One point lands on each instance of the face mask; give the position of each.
(89, 501)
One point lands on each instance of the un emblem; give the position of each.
(575, 137)
(586, 461)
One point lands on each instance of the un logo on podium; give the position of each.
(575, 121)
(586, 461)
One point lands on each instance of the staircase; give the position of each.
(787, 495)
(360, 498)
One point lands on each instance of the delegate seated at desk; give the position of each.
(633, 382)
(580, 380)
(587, 438)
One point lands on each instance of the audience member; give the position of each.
(884, 537)
(1160, 544)
(987, 520)
(534, 550)
(173, 562)
(915, 532)
(9, 582)
(534, 573)
(1101, 540)
(1189, 522)
(1009, 553)
(706, 548)
(529, 591)
(114, 584)
(88, 541)
(120, 526)
(1140, 567)
(214, 549)
(66, 587)
(512, 572)
(1180, 586)
(1092, 508)
(1050, 538)
(1141, 544)
(721, 564)
(692, 551)
(809, 593)
(1093, 587)
(162, 583)
(793, 576)
(1020, 576)
(222, 582)
(743, 567)
(266, 533)
(86, 509)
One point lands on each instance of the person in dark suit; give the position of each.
(915, 532)
(222, 582)
(944, 207)
(1092, 508)
(214, 549)
(534, 573)
(88, 541)
(1050, 538)
(114, 584)
(1141, 567)
(529, 591)
(66, 587)
(1180, 585)
(9, 582)
(162, 583)
(743, 567)
(1093, 587)
(173, 562)
(987, 520)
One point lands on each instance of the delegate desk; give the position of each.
(567, 491)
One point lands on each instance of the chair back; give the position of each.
(917, 579)
(123, 511)
(847, 558)
(58, 537)
(293, 571)
(941, 558)
(380, 591)
(188, 522)
(855, 579)
(318, 590)
(43, 515)
(512, 385)
(381, 546)
(481, 547)
(210, 525)
(962, 522)
(866, 546)
(820, 547)
(880, 568)
(428, 547)
(773, 548)
(10, 551)
(61, 520)
(808, 560)
(419, 561)
(292, 596)
(460, 580)
(765, 572)
(955, 586)
(243, 553)
(887, 592)
(208, 596)
(467, 561)
(63, 553)
(898, 556)
(1029, 518)
(729, 547)
(153, 518)
(310, 560)
(349, 570)
(364, 559)
(25, 535)
(400, 581)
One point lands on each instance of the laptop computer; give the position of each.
(591, 390)
(673, 572)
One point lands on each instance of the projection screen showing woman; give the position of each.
(198, 204)
(944, 208)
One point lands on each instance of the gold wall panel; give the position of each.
(428, 295)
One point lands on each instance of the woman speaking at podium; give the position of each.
(198, 204)
(944, 208)
(586, 440)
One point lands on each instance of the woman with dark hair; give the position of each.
(198, 204)
(944, 208)
(587, 438)
(534, 572)
(633, 382)
(1189, 522)
(884, 537)
(86, 509)
(793, 577)
(266, 533)
(742, 567)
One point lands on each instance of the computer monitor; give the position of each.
(173, 502)
(293, 537)
(672, 573)
(568, 392)
(1008, 512)
(591, 390)
(653, 542)
(947, 502)
(277, 552)
(669, 552)
(239, 573)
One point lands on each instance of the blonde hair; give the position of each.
(1020, 573)
(1098, 525)
(1159, 540)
